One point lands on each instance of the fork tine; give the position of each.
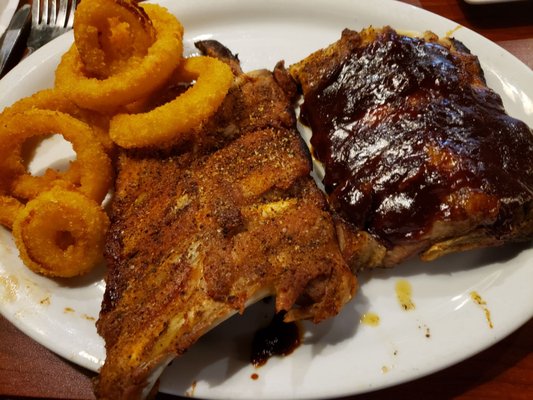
(70, 22)
(53, 12)
(44, 11)
(61, 19)
(50, 19)
(35, 12)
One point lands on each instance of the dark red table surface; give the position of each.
(504, 371)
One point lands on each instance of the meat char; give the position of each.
(199, 233)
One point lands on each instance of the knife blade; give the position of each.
(12, 36)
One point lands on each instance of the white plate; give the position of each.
(340, 356)
(7, 9)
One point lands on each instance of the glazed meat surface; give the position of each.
(419, 154)
(200, 233)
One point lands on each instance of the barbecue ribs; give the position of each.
(419, 154)
(200, 233)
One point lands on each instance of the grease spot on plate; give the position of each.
(11, 286)
(404, 293)
(476, 298)
(451, 32)
(370, 319)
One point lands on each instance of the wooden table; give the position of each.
(505, 371)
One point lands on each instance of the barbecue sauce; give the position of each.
(277, 338)
(403, 123)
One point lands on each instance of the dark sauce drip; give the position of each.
(277, 339)
(399, 126)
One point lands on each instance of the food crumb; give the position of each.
(385, 369)
(254, 376)
(45, 301)
(190, 392)
(427, 332)
(68, 310)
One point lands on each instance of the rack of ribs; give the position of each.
(419, 154)
(199, 233)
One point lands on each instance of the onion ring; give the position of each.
(110, 33)
(133, 83)
(72, 245)
(56, 100)
(90, 173)
(177, 120)
(28, 187)
(9, 169)
(9, 209)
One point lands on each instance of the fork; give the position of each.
(49, 21)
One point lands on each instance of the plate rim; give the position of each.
(6, 13)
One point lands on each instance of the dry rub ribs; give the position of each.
(419, 154)
(199, 234)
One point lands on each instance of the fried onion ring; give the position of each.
(9, 174)
(56, 100)
(60, 233)
(9, 209)
(133, 83)
(91, 172)
(177, 120)
(111, 34)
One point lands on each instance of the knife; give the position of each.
(12, 36)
